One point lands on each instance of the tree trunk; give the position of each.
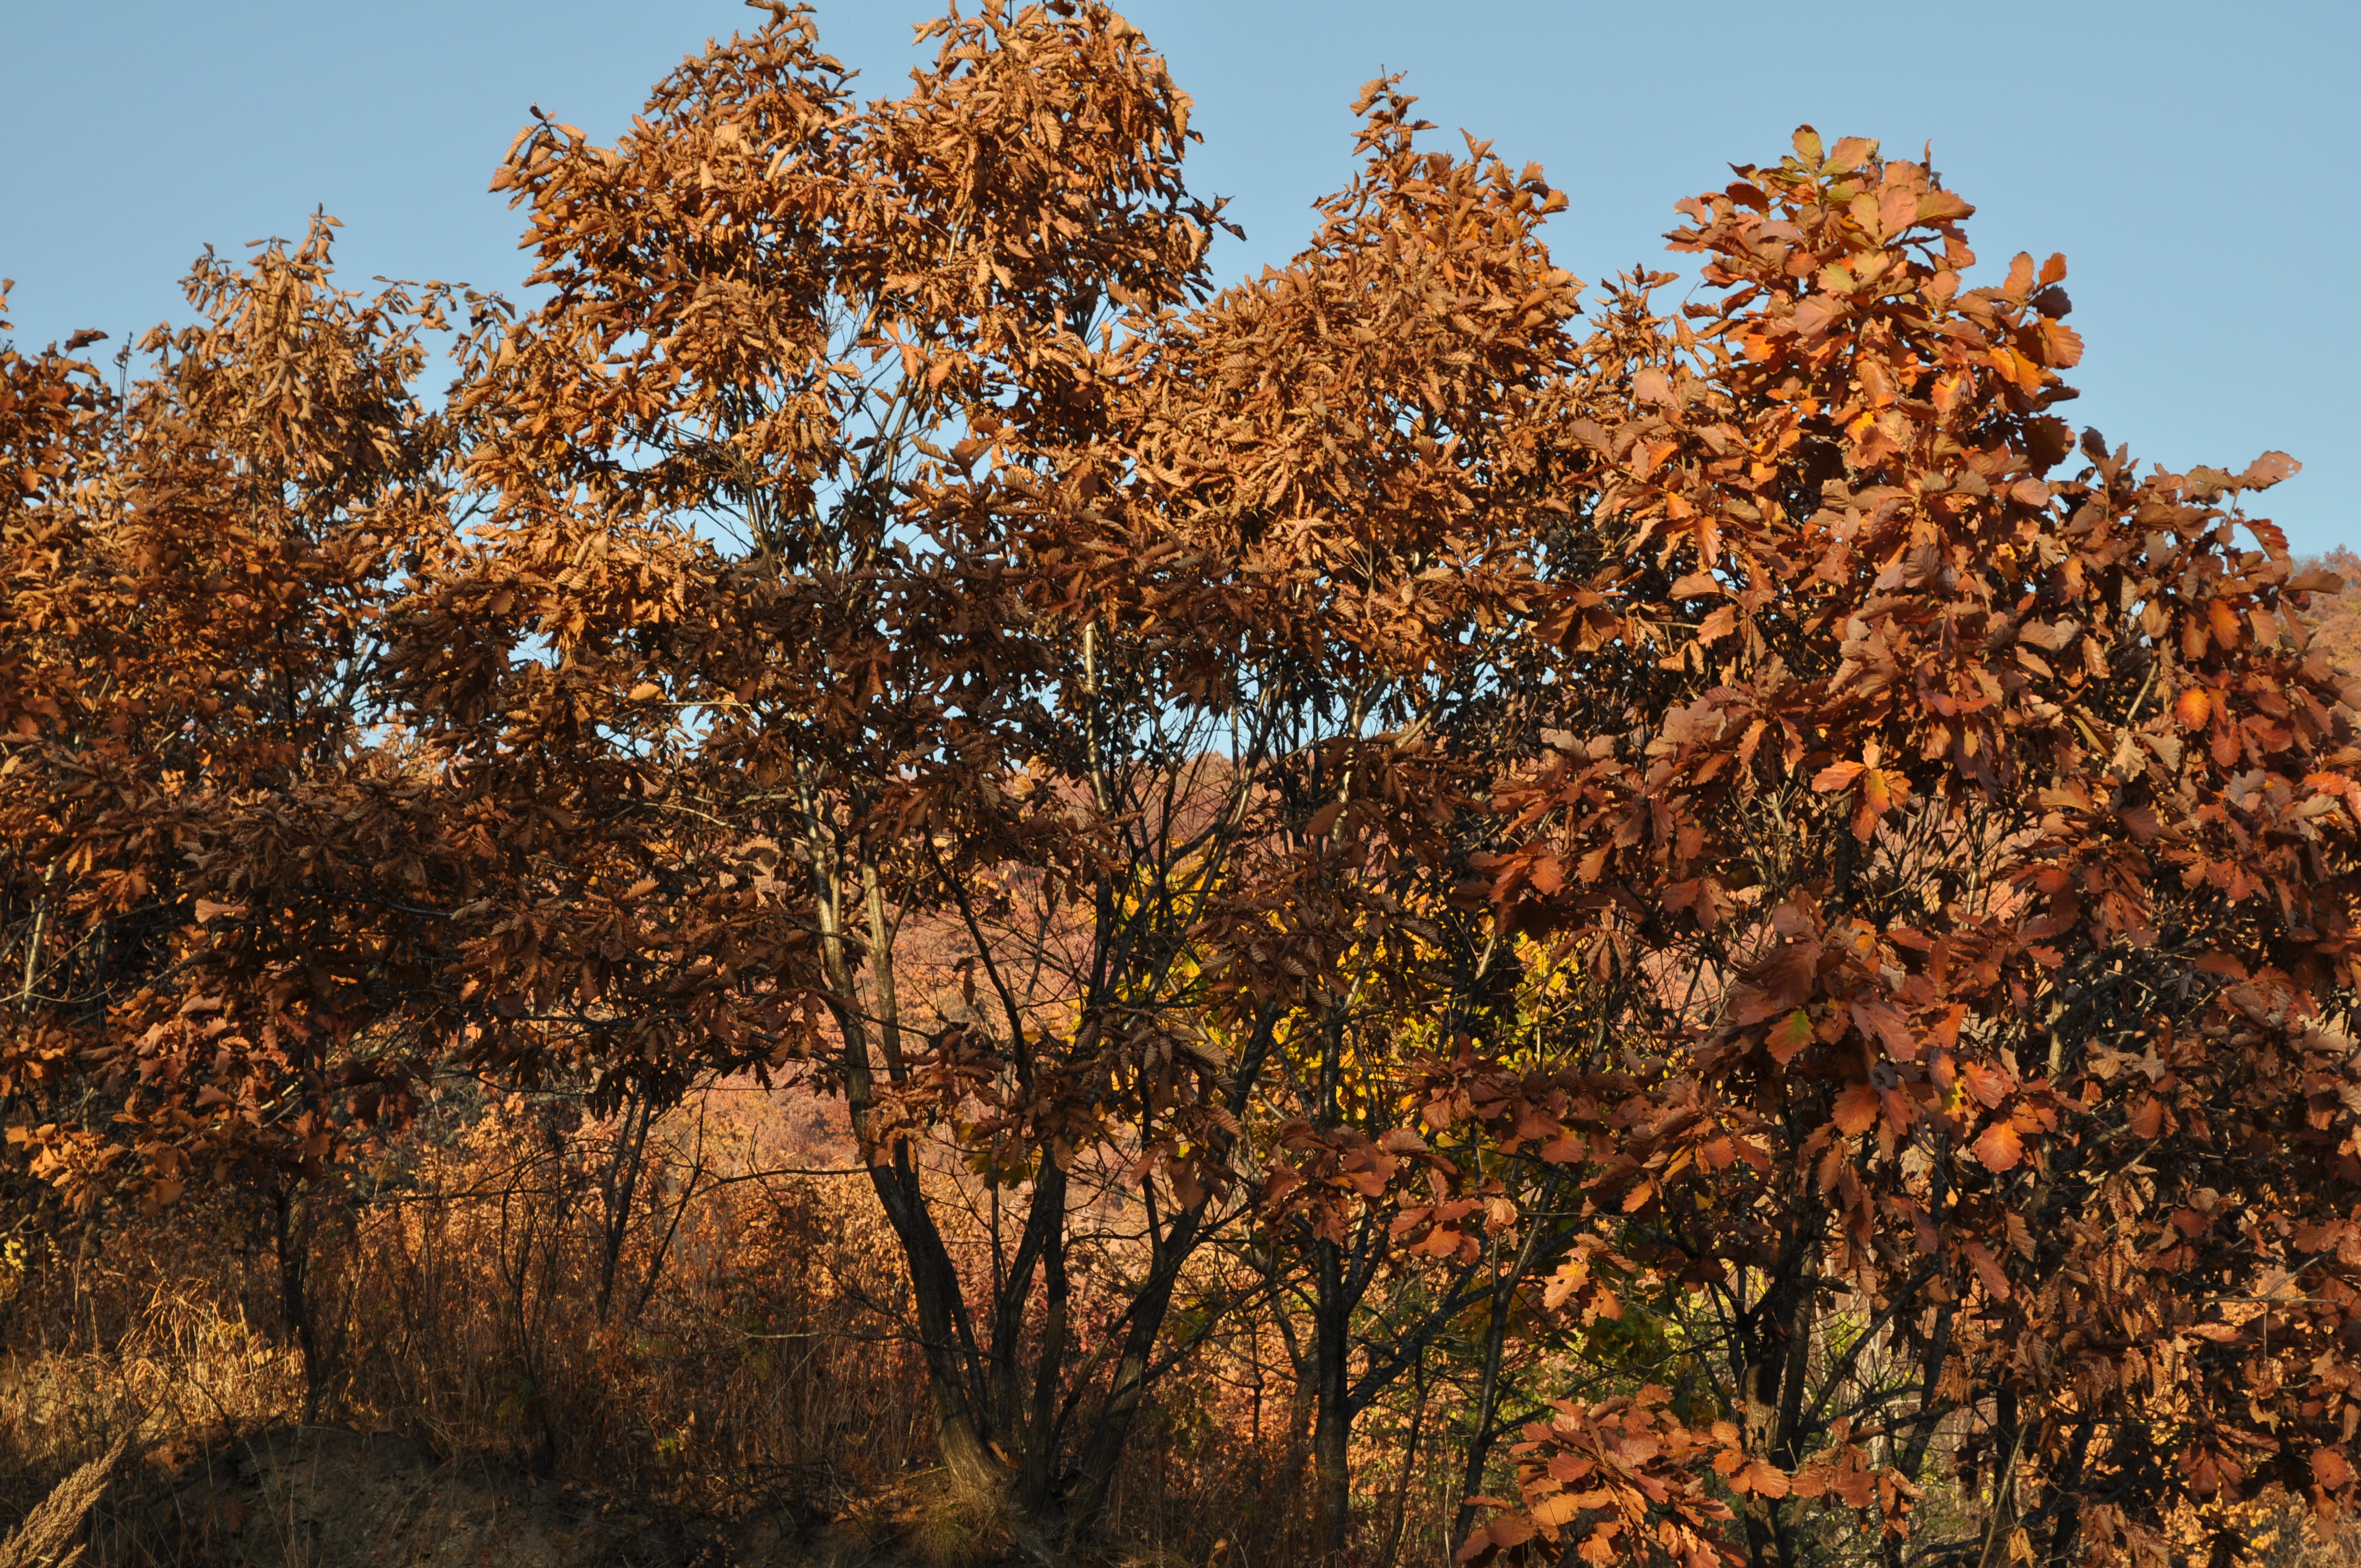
(1390, 1553)
(290, 1235)
(617, 1188)
(1112, 1430)
(1487, 1403)
(1332, 1479)
(1773, 1388)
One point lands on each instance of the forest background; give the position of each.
(904, 866)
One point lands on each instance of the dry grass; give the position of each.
(46, 1537)
(751, 1361)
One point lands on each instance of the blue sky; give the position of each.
(2194, 162)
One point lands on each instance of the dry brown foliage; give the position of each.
(907, 869)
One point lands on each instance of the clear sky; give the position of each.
(2195, 162)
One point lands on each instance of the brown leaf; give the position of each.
(1988, 1269)
(1998, 1147)
(2269, 469)
(1788, 1035)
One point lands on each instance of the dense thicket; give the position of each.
(1708, 914)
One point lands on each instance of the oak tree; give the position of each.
(1959, 833)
